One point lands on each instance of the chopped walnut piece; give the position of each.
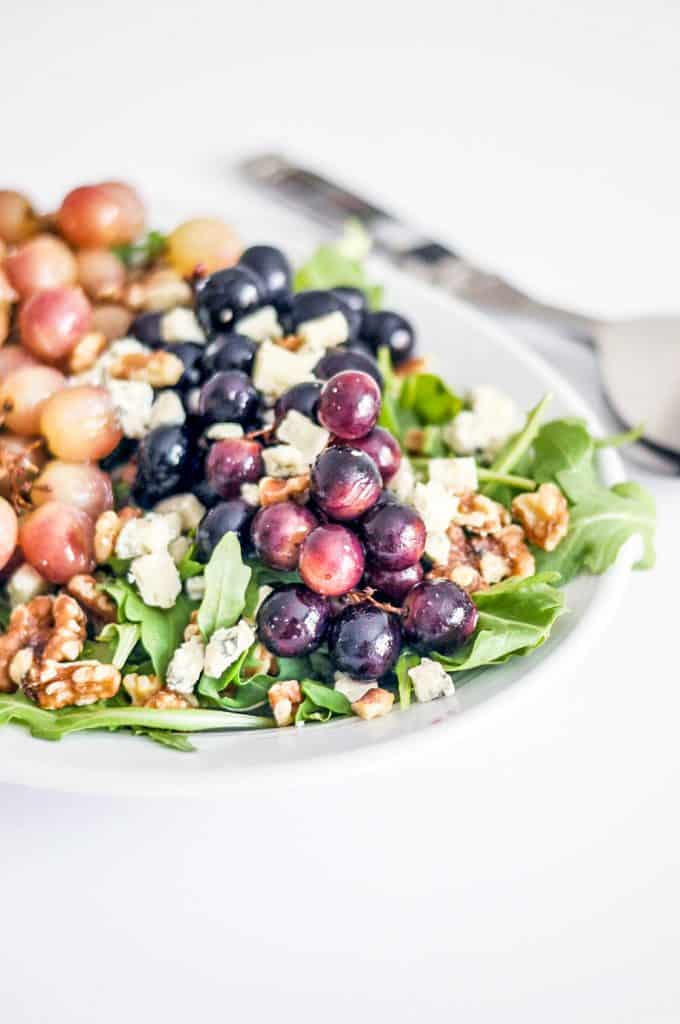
(158, 368)
(275, 489)
(477, 561)
(414, 441)
(480, 514)
(29, 627)
(20, 665)
(284, 700)
(106, 531)
(264, 661)
(69, 631)
(418, 364)
(290, 341)
(522, 562)
(86, 352)
(86, 591)
(55, 684)
(544, 514)
(168, 700)
(140, 688)
(374, 703)
(192, 628)
(159, 290)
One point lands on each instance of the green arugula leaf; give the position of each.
(125, 637)
(174, 740)
(624, 437)
(564, 454)
(162, 629)
(340, 263)
(407, 660)
(429, 398)
(226, 581)
(142, 253)
(511, 454)
(188, 566)
(326, 697)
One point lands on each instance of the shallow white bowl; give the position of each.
(467, 349)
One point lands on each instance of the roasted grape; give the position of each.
(349, 404)
(438, 615)
(391, 331)
(53, 321)
(229, 352)
(100, 273)
(292, 621)
(80, 424)
(103, 215)
(41, 262)
(147, 328)
(17, 219)
(278, 531)
(233, 462)
(9, 532)
(331, 560)
(203, 245)
(338, 360)
(365, 641)
(394, 535)
(229, 397)
(233, 516)
(393, 584)
(23, 394)
(111, 319)
(303, 398)
(74, 483)
(272, 267)
(383, 448)
(164, 458)
(345, 483)
(14, 357)
(58, 541)
(226, 296)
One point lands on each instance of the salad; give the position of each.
(235, 496)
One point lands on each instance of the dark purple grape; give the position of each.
(192, 401)
(394, 535)
(272, 268)
(438, 615)
(345, 483)
(302, 398)
(231, 516)
(164, 458)
(233, 462)
(337, 360)
(331, 560)
(147, 328)
(229, 352)
(314, 304)
(229, 397)
(278, 531)
(191, 356)
(393, 584)
(355, 306)
(350, 404)
(228, 295)
(292, 621)
(383, 448)
(205, 493)
(391, 330)
(365, 641)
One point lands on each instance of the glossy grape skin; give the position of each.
(393, 584)
(14, 357)
(100, 273)
(349, 404)
(102, 215)
(364, 641)
(163, 460)
(353, 302)
(229, 397)
(233, 516)
(9, 532)
(303, 398)
(233, 462)
(58, 541)
(51, 322)
(230, 351)
(278, 531)
(394, 536)
(203, 243)
(311, 305)
(438, 615)
(331, 560)
(80, 484)
(391, 330)
(345, 483)
(17, 219)
(292, 621)
(338, 360)
(191, 356)
(147, 328)
(227, 296)
(23, 395)
(42, 262)
(80, 424)
(383, 448)
(271, 266)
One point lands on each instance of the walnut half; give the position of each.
(57, 685)
(544, 514)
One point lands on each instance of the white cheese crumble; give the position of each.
(179, 325)
(324, 331)
(436, 506)
(194, 588)
(98, 374)
(437, 547)
(403, 481)
(430, 680)
(224, 431)
(353, 689)
(157, 579)
(261, 325)
(250, 494)
(225, 646)
(148, 535)
(24, 584)
(179, 548)
(284, 460)
(167, 411)
(133, 401)
(300, 432)
(186, 666)
(492, 420)
(276, 369)
(457, 476)
(189, 509)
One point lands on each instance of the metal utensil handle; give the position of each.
(409, 248)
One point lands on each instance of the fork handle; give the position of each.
(406, 246)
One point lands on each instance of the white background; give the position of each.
(529, 872)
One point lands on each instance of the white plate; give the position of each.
(467, 349)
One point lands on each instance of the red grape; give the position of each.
(438, 615)
(17, 219)
(112, 320)
(345, 482)
(53, 321)
(14, 357)
(394, 535)
(233, 462)
(331, 560)
(9, 532)
(41, 262)
(393, 584)
(349, 404)
(365, 641)
(23, 394)
(279, 530)
(74, 483)
(80, 424)
(58, 541)
(384, 450)
(292, 621)
(101, 215)
(206, 243)
(100, 273)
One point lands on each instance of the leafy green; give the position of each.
(125, 636)
(188, 566)
(517, 446)
(174, 740)
(226, 580)
(515, 617)
(161, 629)
(142, 253)
(624, 437)
(340, 263)
(52, 725)
(430, 398)
(490, 476)
(407, 660)
(326, 697)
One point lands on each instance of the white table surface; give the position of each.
(529, 872)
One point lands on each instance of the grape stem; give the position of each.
(366, 597)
